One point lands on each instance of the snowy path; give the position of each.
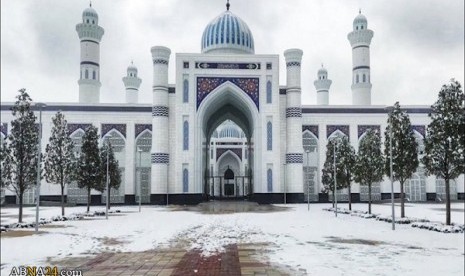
(315, 241)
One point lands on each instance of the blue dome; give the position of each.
(227, 33)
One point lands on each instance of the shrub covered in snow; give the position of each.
(415, 222)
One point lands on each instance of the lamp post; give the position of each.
(335, 178)
(139, 150)
(308, 184)
(39, 151)
(284, 184)
(108, 180)
(389, 109)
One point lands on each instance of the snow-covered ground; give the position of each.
(313, 240)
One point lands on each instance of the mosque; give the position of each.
(226, 129)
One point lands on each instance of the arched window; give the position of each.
(361, 27)
(364, 78)
(86, 74)
(185, 144)
(357, 80)
(269, 136)
(94, 75)
(268, 92)
(185, 93)
(356, 28)
(269, 180)
(309, 142)
(185, 181)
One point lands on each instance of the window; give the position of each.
(185, 65)
(94, 75)
(269, 180)
(309, 142)
(185, 181)
(86, 74)
(364, 78)
(269, 136)
(185, 145)
(357, 79)
(185, 91)
(361, 27)
(211, 153)
(268, 92)
(356, 28)
(269, 66)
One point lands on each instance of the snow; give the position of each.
(313, 240)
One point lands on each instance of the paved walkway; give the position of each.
(236, 260)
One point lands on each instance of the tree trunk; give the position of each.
(402, 196)
(447, 201)
(333, 198)
(20, 216)
(108, 197)
(350, 198)
(369, 198)
(88, 200)
(62, 200)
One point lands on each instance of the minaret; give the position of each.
(294, 150)
(160, 121)
(132, 84)
(322, 85)
(90, 34)
(360, 39)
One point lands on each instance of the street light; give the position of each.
(108, 180)
(139, 150)
(335, 178)
(390, 109)
(39, 147)
(284, 183)
(308, 184)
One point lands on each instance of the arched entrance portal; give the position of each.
(226, 103)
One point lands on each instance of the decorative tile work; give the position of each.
(294, 158)
(236, 151)
(227, 65)
(342, 128)
(364, 128)
(73, 127)
(160, 61)
(121, 128)
(293, 63)
(293, 112)
(420, 129)
(139, 128)
(205, 85)
(312, 128)
(160, 111)
(160, 158)
(4, 129)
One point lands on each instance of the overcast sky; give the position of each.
(418, 45)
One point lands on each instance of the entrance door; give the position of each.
(229, 189)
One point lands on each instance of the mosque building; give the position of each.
(227, 128)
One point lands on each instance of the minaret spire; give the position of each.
(227, 5)
(90, 4)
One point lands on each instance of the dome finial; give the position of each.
(321, 65)
(90, 4)
(359, 11)
(227, 5)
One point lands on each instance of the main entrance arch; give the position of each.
(226, 102)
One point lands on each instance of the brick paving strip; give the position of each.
(235, 260)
